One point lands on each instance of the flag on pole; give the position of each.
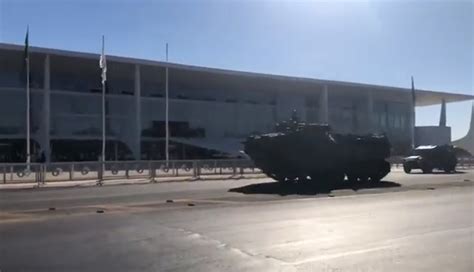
(24, 61)
(103, 63)
(413, 125)
(26, 50)
(103, 66)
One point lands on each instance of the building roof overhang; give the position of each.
(423, 97)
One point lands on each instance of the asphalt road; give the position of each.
(406, 223)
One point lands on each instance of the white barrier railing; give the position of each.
(76, 171)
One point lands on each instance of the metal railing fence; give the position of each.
(465, 163)
(76, 171)
(100, 171)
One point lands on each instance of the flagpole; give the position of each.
(103, 106)
(167, 110)
(28, 154)
(413, 101)
(27, 60)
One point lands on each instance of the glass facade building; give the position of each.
(206, 106)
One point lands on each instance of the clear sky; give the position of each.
(380, 42)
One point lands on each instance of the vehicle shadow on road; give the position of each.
(307, 188)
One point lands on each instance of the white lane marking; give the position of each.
(341, 254)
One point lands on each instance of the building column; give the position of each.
(138, 112)
(387, 119)
(442, 118)
(370, 111)
(46, 110)
(324, 106)
(413, 122)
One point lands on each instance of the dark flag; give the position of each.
(26, 53)
(25, 59)
(413, 100)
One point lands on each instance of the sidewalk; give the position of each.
(123, 181)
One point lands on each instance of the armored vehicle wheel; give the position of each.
(291, 179)
(351, 178)
(337, 178)
(279, 178)
(355, 178)
(375, 178)
(426, 170)
(282, 178)
(331, 178)
(449, 169)
(380, 172)
(363, 178)
(302, 179)
(407, 169)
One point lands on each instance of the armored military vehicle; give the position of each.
(299, 152)
(429, 157)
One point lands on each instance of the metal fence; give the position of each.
(77, 171)
(465, 163)
(152, 170)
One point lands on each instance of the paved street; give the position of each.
(406, 223)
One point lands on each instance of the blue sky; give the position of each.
(379, 42)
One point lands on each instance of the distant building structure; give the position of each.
(211, 110)
(434, 135)
(467, 142)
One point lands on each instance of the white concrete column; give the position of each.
(442, 117)
(370, 112)
(324, 105)
(46, 147)
(413, 115)
(138, 112)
